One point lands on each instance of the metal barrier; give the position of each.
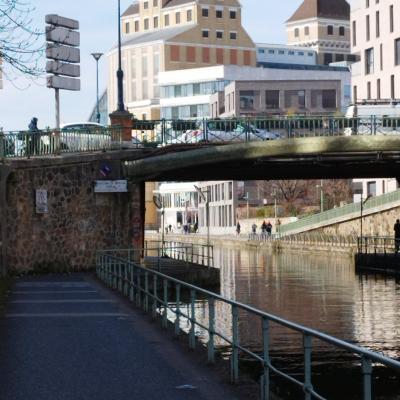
(142, 286)
(377, 245)
(321, 239)
(188, 252)
(349, 209)
(197, 131)
(53, 142)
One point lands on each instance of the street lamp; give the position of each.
(247, 204)
(159, 203)
(120, 73)
(97, 57)
(321, 187)
(204, 194)
(361, 216)
(274, 194)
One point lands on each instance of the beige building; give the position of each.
(164, 35)
(376, 40)
(324, 26)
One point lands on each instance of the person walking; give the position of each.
(269, 228)
(34, 139)
(238, 229)
(397, 236)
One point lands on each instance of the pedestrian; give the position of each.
(254, 229)
(170, 227)
(264, 227)
(185, 229)
(269, 228)
(34, 136)
(396, 236)
(196, 227)
(238, 229)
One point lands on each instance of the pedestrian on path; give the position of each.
(397, 236)
(238, 229)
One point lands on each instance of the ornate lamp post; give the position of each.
(120, 73)
(204, 194)
(97, 57)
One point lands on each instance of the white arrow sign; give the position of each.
(62, 82)
(60, 68)
(63, 53)
(62, 35)
(56, 20)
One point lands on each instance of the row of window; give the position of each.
(220, 216)
(291, 98)
(177, 54)
(219, 34)
(377, 25)
(192, 89)
(329, 30)
(182, 112)
(219, 13)
(378, 90)
(282, 52)
(370, 58)
(179, 200)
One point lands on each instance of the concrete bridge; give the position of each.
(78, 220)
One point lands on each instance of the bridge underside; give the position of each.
(311, 158)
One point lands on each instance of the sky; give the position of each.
(23, 99)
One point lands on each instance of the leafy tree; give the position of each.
(21, 45)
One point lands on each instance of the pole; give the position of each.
(247, 205)
(97, 92)
(57, 93)
(322, 196)
(361, 220)
(208, 229)
(120, 73)
(275, 207)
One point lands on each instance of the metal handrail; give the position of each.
(27, 144)
(141, 285)
(378, 244)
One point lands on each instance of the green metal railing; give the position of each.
(378, 245)
(339, 212)
(197, 131)
(160, 294)
(54, 142)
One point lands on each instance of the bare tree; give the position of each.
(336, 191)
(290, 192)
(21, 45)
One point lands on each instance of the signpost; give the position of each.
(120, 186)
(63, 40)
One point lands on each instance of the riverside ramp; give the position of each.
(66, 337)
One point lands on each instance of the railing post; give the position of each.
(165, 304)
(131, 283)
(367, 382)
(178, 309)
(211, 330)
(138, 287)
(155, 292)
(265, 390)
(192, 333)
(235, 343)
(307, 345)
(163, 131)
(146, 291)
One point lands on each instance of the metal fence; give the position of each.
(142, 286)
(197, 131)
(188, 252)
(53, 142)
(377, 245)
(339, 212)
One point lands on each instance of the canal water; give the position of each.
(321, 291)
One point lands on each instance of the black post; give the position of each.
(120, 73)
(97, 92)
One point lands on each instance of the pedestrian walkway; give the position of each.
(68, 338)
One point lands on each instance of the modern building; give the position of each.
(375, 39)
(324, 26)
(375, 187)
(285, 54)
(164, 35)
(103, 110)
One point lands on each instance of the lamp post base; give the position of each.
(123, 119)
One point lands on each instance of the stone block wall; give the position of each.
(78, 222)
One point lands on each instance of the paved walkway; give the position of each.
(68, 338)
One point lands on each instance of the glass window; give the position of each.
(144, 66)
(178, 17)
(204, 12)
(189, 15)
(136, 26)
(296, 32)
(155, 22)
(330, 30)
(155, 3)
(369, 61)
(127, 26)
(166, 19)
(328, 58)
(291, 53)
(146, 24)
(271, 51)
(272, 99)
(232, 14)
(341, 31)
(329, 98)
(397, 51)
(205, 33)
(371, 188)
(247, 99)
(218, 13)
(146, 5)
(233, 35)
(307, 30)
(220, 34)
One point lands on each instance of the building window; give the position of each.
(369, 61)
(233, 56)
(341, 31)
(232, 14)
(146, 5)
(175, 56)
(189, 15)
(136, 26)
(391, 19)
(272, 99)
(397, 51)
(296, 32)
(271, 51)
(307, 30)
(381, 56)
(205, 33)
(204, 12)
(392, 90)
(247, 57)
(218, 14)
(146, 24)
(355, 94)
(369, 90)
(339, 57)
(220, 56)
(367, 3)
(155, 22)
(330, 30)
(206, 55)
(247, 99)
(371, 188)
(378, 89)
(178, 18)
(166, 19)
(232, 35)
(354, 33)
(377, 24)
(328, 58)
(291, 53)
(329, 98)
(155, 3)
(367, 28)
(191, 54)
(295, 99)
(127, 27)
(219, 34)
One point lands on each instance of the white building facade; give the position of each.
(285, 54)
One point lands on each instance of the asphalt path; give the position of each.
(68, 338)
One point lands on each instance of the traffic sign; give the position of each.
(62, 53)
(56, 20)
(62, 35)
(63, 82)
(61, 68)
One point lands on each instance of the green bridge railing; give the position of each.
(347, 210)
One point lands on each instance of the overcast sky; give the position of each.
(22, 99)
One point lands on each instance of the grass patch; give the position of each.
(5, 285)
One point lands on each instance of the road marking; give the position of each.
(61, 301)
(64, 315)
(52, 291)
